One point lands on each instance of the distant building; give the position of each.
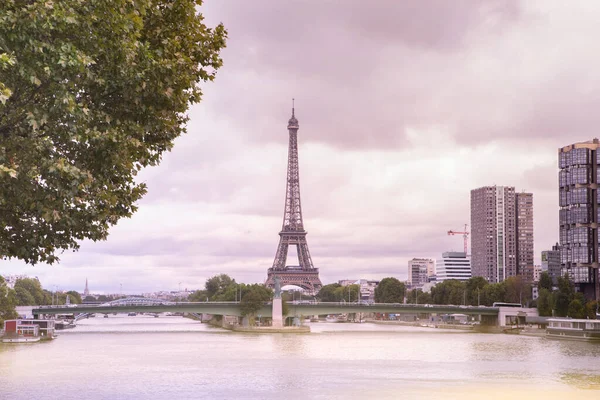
(537, 271)
(86, 291)
(551, 263)
(366, 287)
(419, 271)
(579, 199)
(501, 232)
(453, 265)
(528, 273)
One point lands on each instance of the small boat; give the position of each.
(573, 329)
(61, 325)
(131, 314)
(105, 315)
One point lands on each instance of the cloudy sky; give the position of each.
(404, 107)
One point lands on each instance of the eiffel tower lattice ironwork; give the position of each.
(304, 275)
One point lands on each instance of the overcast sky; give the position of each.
(404, 107)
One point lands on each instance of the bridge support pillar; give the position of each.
(277, 313)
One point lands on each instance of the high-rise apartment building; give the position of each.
(419, 270)
(501, 232)
(524, 203)
(579, 199)
(453, 265)
(551, 262)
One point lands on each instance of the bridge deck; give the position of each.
(233, 308)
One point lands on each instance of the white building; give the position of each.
(453, 265)
(419, 270)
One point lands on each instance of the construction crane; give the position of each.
(465, 236)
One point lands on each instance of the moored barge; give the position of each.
(573, 329)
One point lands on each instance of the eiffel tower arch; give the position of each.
(304, 275)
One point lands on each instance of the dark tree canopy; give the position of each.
(90, 92)
(390, 290)
(8, 301)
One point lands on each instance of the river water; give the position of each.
(176, 358)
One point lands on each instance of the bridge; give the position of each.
(143, 305)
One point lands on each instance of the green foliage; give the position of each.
(451, 291)
(545, 281)
(285, 308)
(475, 287)
(517, 290)
(350, 293)
(417, 296)
(24, 298)
(591, 308)
(492, 293)
(576, 309)
(91, 92)
(564, 296)
(390, 290)
(8, 301)
(545, 303)
(220, 288)
(30, 292)
(328, 292)
(253, 298)
(75, 297)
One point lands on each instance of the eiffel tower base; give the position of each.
(306, 279)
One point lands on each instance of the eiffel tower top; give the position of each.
(293, 122)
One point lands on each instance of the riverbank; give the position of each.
(423, 324)
(271, 329)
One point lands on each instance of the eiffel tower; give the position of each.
(304, 275)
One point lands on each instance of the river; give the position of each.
(143, 357)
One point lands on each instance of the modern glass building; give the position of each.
(579, 167)
(453, 265)
(551, 262)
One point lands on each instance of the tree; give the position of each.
(348, 293)
(450, 291)
(328, 292)
(474, 287)
(564, 296)
(493, 292)
(30, 292)
(591, 308)
(8, 302)
(544, 303)
(390, 290)
(545, 281)
(417, 296)
(24, 297)
(75, 298)
(576, 309)
(253, 298)
(217, 285)
(517, 290)
(91, 92)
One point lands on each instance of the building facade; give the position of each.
(419, 271)
(524, 204)
(501, 232)
(453, 265)
(551, 263)
(579, 199)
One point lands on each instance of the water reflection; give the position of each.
(582, 380)
(168, 357)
